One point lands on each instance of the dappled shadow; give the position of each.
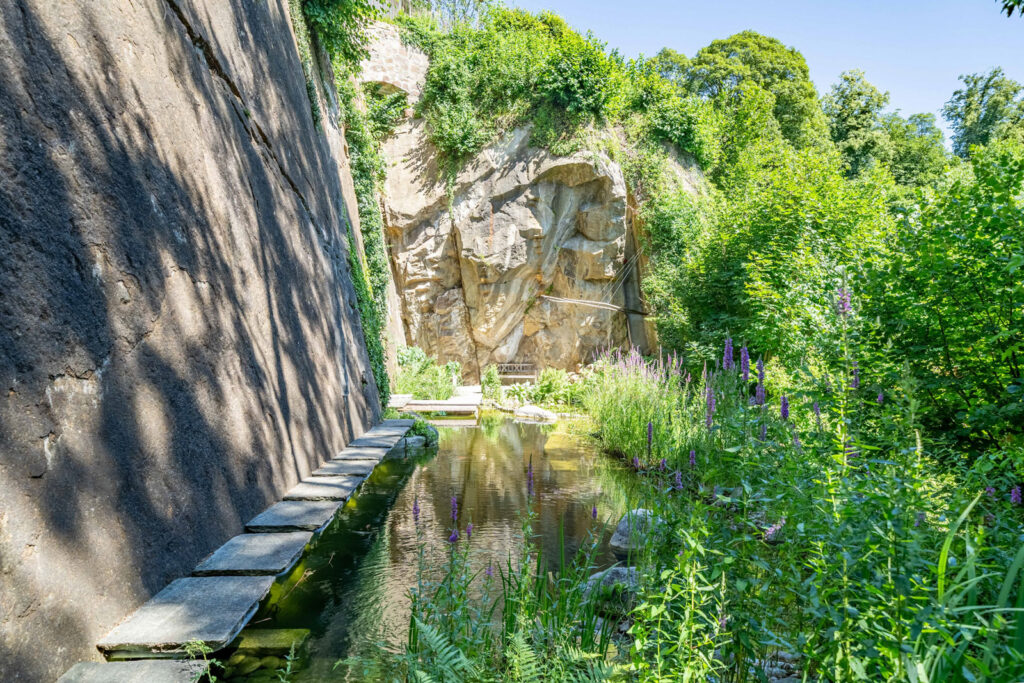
(178, 335)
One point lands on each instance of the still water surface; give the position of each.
(352, 589)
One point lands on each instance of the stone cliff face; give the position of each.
(482, 274)
(179, 341)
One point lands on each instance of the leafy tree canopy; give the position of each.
(988, 107)
(749, 57)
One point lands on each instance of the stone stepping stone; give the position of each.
(208, 609)
(271, 641)
(139, 671)
(255, 555)
(368, 453)
(347, 466)
(294, 515)
(325, 488)
(380, 440)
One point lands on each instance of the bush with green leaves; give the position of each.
(421, 376)
(490, 383)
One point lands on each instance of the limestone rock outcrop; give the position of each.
(483, 274)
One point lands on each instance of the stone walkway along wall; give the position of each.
(179, 342)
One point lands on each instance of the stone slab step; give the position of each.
(347, 466)
(255, 555)
(362, 453)
(139, 671)
(208, 609)
(325, 488)
(399, 400)
(294, 515)
(384, 441)
(271, 641)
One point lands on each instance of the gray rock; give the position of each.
(256, 555)
(632, 531)
(208, 609)
(628, 578)
(294, 515)
(535, 414)
(346, 466)
(614, 589)
(140, 671)
(325, 488)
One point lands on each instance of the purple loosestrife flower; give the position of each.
(770, 532)
(469, 531)
(1015, 498)
(455, 508)
(529, 479)
(693, 459)
(416, 509)
(710, 418)
(727, 361)
(662, 465)
(489, 571)
(990, 491)
(784, 408)
(855, 380)
(745, 364)
(817, 413)
(593, 512)
(679, 480)
(843, 301)
(881, 397)
(636, 462)
(650, 437)
(454, 537)
(760, 371)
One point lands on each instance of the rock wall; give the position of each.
(477, 277)
(179, 341)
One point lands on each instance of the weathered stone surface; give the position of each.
(392, 63)
(347, 466)
(294, 515)
(208, 609)
(179, 342)
(632, 531)
(256, 555)
(533, 413)
(141, 671)
(271, 641)
(324, 488)
(362, 453)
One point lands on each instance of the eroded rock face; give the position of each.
(474, 275)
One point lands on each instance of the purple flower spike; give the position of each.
(990, 491)
(455, 508)
(843, 301)
(529, 479)
(764, 431)
(454, 537)
(760, 371)
(593, 512)
(415, 509)
(636, 462)
(469, 531)
(855, 380)
(679, 480)
(489, 571)
(693, 459)
(745, 364)
(662, 465)
(881, 397)
(650, 437)
(1015, 498)
(784, 408)
(727, 362)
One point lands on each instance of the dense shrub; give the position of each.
(421, 376)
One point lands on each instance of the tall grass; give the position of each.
(804, 529)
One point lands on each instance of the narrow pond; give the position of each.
(351, 590)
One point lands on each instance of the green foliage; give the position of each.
(946, 293)
(490, 382)
(384, 111)
(341, 26)
(305, 48)
(372, 323)
(854, 110)
(749, 57)
(988, 107)
(421, 376)
(917, 156)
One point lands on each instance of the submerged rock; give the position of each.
(535, 414)
(632, 531)
(615, 589)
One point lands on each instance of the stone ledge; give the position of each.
(140, 671)
(256, 555)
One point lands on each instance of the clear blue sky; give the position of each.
(915, 49)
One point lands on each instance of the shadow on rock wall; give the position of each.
(178, 335)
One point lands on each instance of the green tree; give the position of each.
(917, 156)
(671, 66)
(341, 26)
(987, 107)
(724, 65)
(854, 110)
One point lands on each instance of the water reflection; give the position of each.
(351, 591)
